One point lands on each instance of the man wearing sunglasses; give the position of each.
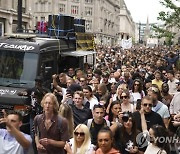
(151, 117)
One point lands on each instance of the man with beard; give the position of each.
(51, 130)
(158, 106)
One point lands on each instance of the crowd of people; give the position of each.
(105, 108)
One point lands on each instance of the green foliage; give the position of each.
(170, 18)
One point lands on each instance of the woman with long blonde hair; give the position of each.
(81, 141)
(66, 112)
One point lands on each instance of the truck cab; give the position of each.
(24, 57)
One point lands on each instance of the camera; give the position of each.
(125, 116)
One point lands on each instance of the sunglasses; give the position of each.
(82, 80)
(136, 84)
(77, 133)
(145, 104)
(154, 89)
(124, 97)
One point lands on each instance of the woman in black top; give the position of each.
(125, 135)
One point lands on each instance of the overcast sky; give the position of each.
(141, 9)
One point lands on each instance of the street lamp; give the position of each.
(19, 28)
(139, 32)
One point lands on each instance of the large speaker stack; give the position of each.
(60, 25)
(79, 25)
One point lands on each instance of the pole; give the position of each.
(139, 32)
(19, 26)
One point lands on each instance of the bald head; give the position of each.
(117, 76)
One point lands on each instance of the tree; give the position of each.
(171, 18)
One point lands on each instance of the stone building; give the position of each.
(109, 20)
(8, 16)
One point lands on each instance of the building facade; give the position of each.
(109, 20)
(8, 16)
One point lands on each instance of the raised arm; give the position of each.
(143, 120)
(23, 141)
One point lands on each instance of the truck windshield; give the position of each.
(17, 69)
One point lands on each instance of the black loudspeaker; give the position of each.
(79, 28)
(56, 21)
(60, 25)
(79, 21)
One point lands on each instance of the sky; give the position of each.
(141, 9)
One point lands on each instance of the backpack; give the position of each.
(89, 122)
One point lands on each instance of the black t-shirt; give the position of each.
(94, 129)
(108, 86)
(152, 118)
(123, 144)
(80, 115)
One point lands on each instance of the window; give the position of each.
(1, 29)
(75, 1)
(62, 8)
(36, 7)
(49, 6)
(47, 65)
(88, 25)
(74, 10)
(42, 18)
(89, 1)
(88, 11)
(14, 4)
(42, 7)
(22, 72)
(36, 19)
(23, 6)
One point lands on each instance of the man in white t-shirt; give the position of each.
(172, 82)
(12, 140)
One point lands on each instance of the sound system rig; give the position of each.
(61, 25)
(79, 25)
